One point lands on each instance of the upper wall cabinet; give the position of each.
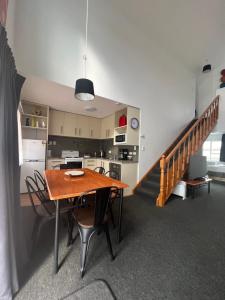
(73, 125)
(107, 127)
(56, 122)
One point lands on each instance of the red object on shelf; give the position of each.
(122, 121)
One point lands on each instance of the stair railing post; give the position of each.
(162, 197)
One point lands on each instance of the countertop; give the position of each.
(102, 158)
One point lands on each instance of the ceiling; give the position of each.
(62, 98)
(193, 30)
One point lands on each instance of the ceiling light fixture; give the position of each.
(206, 68)
(84, 88)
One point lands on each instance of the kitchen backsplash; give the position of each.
(87, 146)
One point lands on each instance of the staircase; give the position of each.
(160, 181)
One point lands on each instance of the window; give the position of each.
(211, 149)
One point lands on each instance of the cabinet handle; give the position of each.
(75, 131)
(61, 129)
(91, 132)
(106, 133)
(79, 131)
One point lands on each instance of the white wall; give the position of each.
(124, 64)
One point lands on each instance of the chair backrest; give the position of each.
(101, 198)
(113, 174)
(34, 192)
(100, 170)
(40, 181)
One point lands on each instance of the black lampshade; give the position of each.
(84, 89)
(206, 68)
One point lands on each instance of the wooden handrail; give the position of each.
(158, 161)
(191, 130)
(174, 164)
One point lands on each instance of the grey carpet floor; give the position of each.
(177, 252)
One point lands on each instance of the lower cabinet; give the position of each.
(90, 163)
(54, 163)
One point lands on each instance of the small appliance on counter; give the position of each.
(123, 154)
(122, 120)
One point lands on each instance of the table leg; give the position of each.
(209, 187)
(56, 245)
(120, 216)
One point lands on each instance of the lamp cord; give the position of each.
(86, 42)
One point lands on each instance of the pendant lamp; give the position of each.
(84, 88)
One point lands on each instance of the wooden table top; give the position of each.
(61, 186)
(196, 182)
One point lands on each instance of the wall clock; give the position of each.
(134, 123)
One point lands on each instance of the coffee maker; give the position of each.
(123, 154)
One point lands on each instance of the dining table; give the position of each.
(62, 186)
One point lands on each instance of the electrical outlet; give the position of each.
(135, 147)
(134, 153)
(130, 153)
(50, 143)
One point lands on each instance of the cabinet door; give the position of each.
(107, 127)
(106, 165)
(56, 122)
(82, 126)
(70, 125)
(94, 128)
(103, 129)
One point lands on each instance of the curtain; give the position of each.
(222, 150)
(11, 239)
(3, 11)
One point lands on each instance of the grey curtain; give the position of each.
(11, 239)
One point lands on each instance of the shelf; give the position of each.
(30, 127)
(121, 127)
(34, 116)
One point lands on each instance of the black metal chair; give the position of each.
(92, 219)
(40, 181)
(45, 209)
(100, 170)
(115, 194)
(112, 174)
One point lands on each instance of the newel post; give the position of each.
(162, 197)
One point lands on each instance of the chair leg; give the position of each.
(111, 215)
(85, 236)
(106, 228)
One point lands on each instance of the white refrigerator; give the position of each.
(34, 152)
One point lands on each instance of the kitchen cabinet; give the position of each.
(70, 125)
(82, 127)
(107, 127)
(53, 163)
(56, 122)
(74, 125)
(94, 126)
(90, 163)
(104, 163)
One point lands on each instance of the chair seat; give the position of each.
(86, 217)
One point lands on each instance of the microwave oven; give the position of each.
(120, 138)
